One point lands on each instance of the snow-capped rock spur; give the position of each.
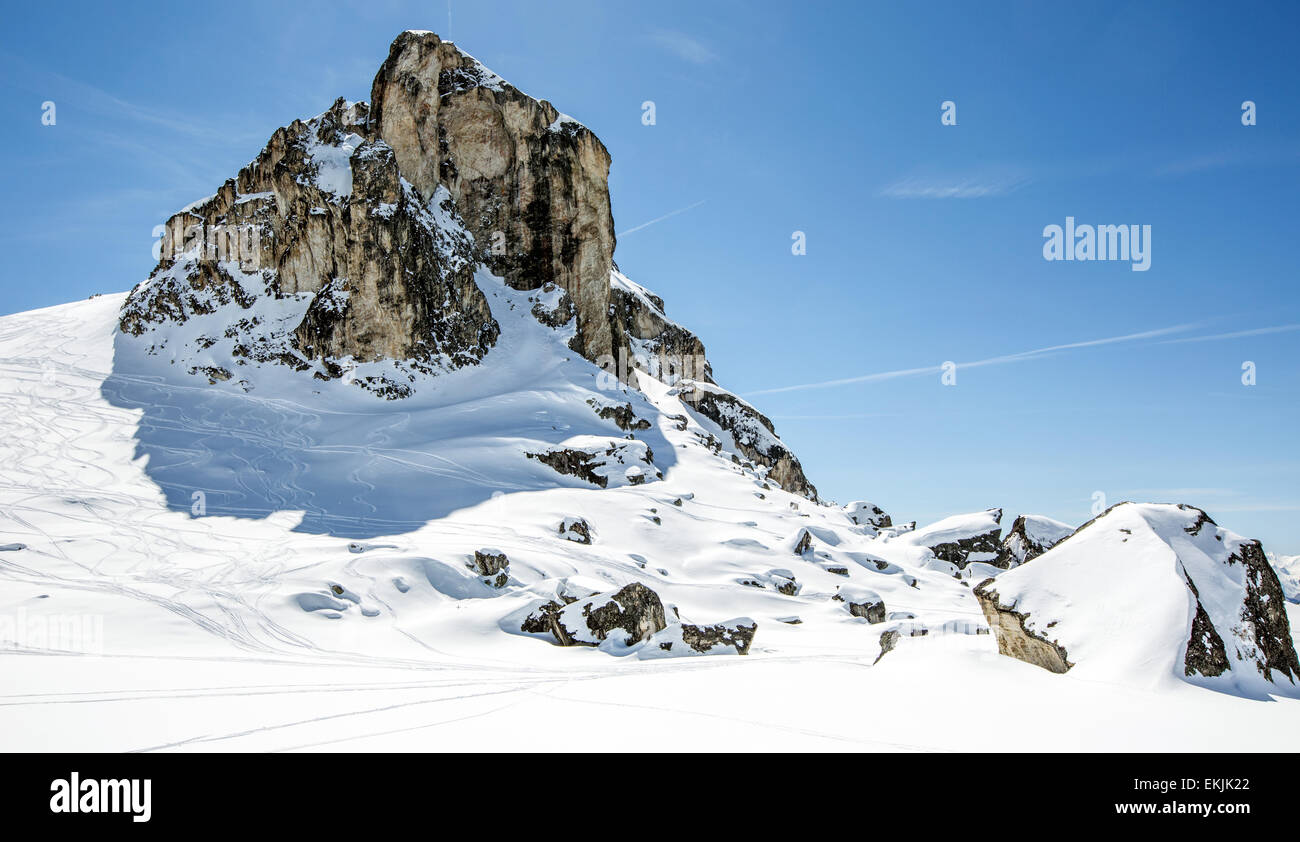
(1145, 592)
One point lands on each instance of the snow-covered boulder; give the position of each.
(492, 565)
(621, 413)
(1030, 537)
(625, 618)
(862, 602)
(1146, 592)
(867, 514)
(732, 637)
(778, 579)
(576, 529)
(608, 463)
(962, 538)
(802, 543)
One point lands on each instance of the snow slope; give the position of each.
(316, 594)
(1288, 572)
(1125, 594)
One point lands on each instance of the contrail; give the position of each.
(1005, 358)
(1259, 331)
(660, 219)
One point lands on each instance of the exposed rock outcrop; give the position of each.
(753, 434)
(629, 616)
(530, 183)
(621, 414)
(1030, 537)
(1015, 637)
(372, 268)
(656, 344)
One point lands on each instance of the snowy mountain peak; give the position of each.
(365, 245)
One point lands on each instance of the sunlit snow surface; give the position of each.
(321, 599)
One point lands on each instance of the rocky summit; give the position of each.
(356, 237)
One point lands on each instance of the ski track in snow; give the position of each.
(205, 647)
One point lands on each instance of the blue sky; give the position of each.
(924, 241)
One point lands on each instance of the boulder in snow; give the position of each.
(867, 514)
(962, 538)
(576, 529)
(492, 565)
(732, 637)
(1144, 591)
(625, 618)
(601, 461)
(862, 602)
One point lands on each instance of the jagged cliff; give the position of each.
(356, 237)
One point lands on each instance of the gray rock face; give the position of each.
(664, 348)
(1014, 638)
(323, 212)
(524, 176)
(629, 616)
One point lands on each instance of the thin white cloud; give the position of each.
(1199, 163)
(1238, 334)
(959, 188)
(1000, 360)
(683, 46)
(660, 219)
